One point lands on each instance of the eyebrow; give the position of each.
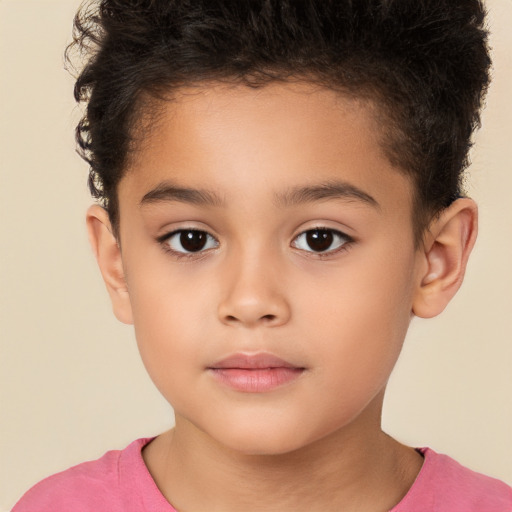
(327, 190)
(167, 191)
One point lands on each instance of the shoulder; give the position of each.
(89, 486)
(444, 485)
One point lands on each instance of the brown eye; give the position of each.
(320, 240)
(193, 241)
(190, 241)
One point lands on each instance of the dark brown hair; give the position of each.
(424, 63)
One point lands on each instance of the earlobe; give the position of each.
(448, 244)
(108, 255)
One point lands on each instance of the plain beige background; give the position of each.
(72, 385)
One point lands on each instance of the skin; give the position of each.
(314, 443)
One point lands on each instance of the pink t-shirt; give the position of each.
(120, 482)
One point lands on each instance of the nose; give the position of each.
(254, 295)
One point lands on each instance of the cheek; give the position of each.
(170, 320)
(168, 300)
(359, 319)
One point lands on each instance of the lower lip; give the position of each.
(258, 380)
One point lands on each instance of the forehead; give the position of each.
(240, 141)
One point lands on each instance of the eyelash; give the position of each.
(164, 242)
(333, 232)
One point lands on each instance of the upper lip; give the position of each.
(252, 362)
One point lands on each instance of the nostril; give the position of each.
(264, 318)
(253, 310)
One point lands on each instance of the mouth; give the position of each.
(255, 373)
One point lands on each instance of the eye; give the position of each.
(188, 241)
(321, 240)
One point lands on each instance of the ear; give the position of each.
(108, 255)
(445, 253)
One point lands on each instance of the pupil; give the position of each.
(193, 241)
(319, 240)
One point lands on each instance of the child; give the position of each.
(280, 192)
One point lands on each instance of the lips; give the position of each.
(254, 373)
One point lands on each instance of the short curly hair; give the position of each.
(424, 63)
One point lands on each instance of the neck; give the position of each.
(357, 468)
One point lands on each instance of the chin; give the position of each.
(264, 445)
(263, 438)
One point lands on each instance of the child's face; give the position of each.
(263, 169)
